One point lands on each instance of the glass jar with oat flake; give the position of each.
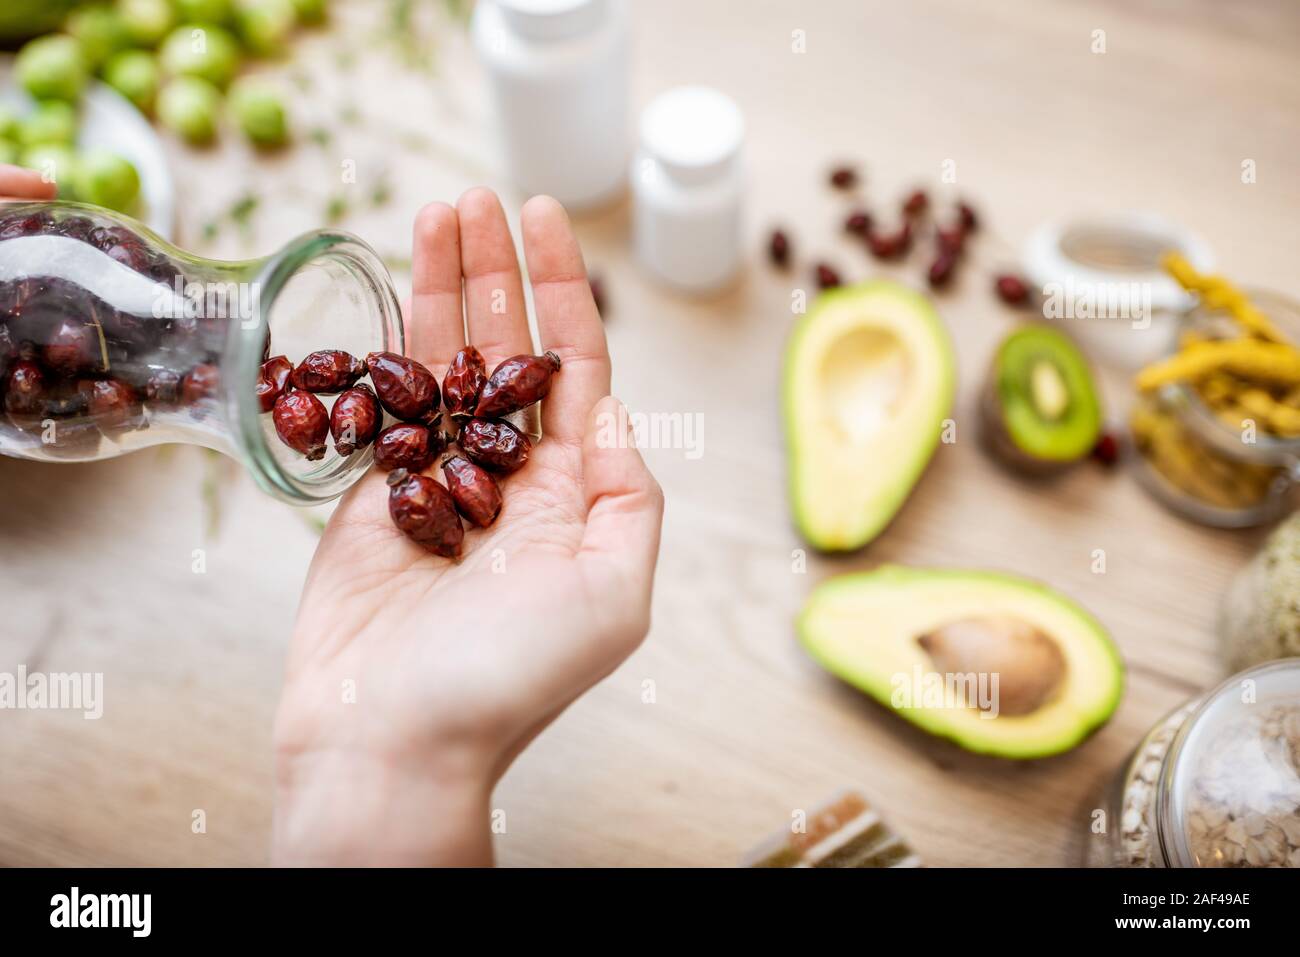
(1214, 784)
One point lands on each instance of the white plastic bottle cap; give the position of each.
(552, 19)
(694, 131)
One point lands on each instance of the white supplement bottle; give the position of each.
(559, 77)
(687, 184)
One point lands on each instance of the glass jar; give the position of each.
(1217, 467)
(113, 340)
(1214, 784)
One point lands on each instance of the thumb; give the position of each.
(625, 505)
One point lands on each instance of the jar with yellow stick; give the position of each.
(1217, 423)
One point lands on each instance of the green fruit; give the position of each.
(52, 68)
(101, 31)
(56, 163)
(1039, 411)
(136, 76)
(259, 111)
(106, 179)
(311, 11)
(147, 21)
(10, 124)
(51, 122)
(188, 106)
(200, 50)
(1034, 673)
(8, 152)
(220, 12)
(265, 25)
(868, 382)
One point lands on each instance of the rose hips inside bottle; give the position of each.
(463, 383)
(406, 389)
(327, 371)
(302, 423)
(515, 384)
(408, 445)
(496, 445)
(25, 388)
(272, 381)
(475, 491)
(355, 419)
(74, 347)
(200, 383)
(113, 405)
(425, 512)
(163, 387)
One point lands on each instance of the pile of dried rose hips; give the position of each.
(476, 404)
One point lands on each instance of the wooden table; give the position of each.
(96, 559)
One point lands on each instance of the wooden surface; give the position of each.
(96, 559)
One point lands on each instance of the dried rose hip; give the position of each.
(515, 384)
(475, 492)
(302, 423)
(858, 223)
(425, 512)
(406, 389)
(200, 383)
(408, 446)
(355, 419)
(328, 371)
(113, 404)
(74, 347)
(950, 239)
(844, 177)
(778, 248)
(1106, 451)
(163, 387)
(941, 269)
(827, 278)
(1011, 289)
(497, 446)
(915, 204)
(463, 383)
(25, 388)
(272, 381)
(890, 245)
(966, 216)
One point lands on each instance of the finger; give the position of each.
(625, 508)
(567, 320)
(494, 290)
(19, 183)
(437, 323)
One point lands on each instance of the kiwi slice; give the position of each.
(1040, 410)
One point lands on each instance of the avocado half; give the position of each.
(883, 631)
(1040, 411)
(869, 379)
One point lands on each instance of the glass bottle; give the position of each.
(112, 340)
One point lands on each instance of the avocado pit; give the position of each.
(1029, 663)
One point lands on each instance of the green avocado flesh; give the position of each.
(869, 378)
(1046, 395)
(881, 631)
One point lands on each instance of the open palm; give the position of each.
(401, 659)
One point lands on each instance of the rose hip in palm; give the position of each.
(475, 492)
(355, 419)
(328, 371)
(515, 384)
(497, 446)
(463, 383)
(425, 512)
(406, 389)
(302, 423)
(272, 381)
(408, 446)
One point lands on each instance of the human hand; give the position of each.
(457, 666)
(19, 183)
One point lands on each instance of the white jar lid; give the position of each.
(552, 19)
(694, 132)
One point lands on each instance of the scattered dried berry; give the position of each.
(497, 446)
(409, 446)
(941, 269)
(302, 423)
(890, 245)
(327, 372)
(516, 384)
(950, 239)
(272, 381)
(1012, 289)
(1106, 451)
(406, 389)
(464, 382)
(355, 419)
(778, 248)
(827, 278)
(966, 216)
(425, 512)
(200, 383)
(858, 223)
(844, 177)
(475, 492)
(916, 204)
